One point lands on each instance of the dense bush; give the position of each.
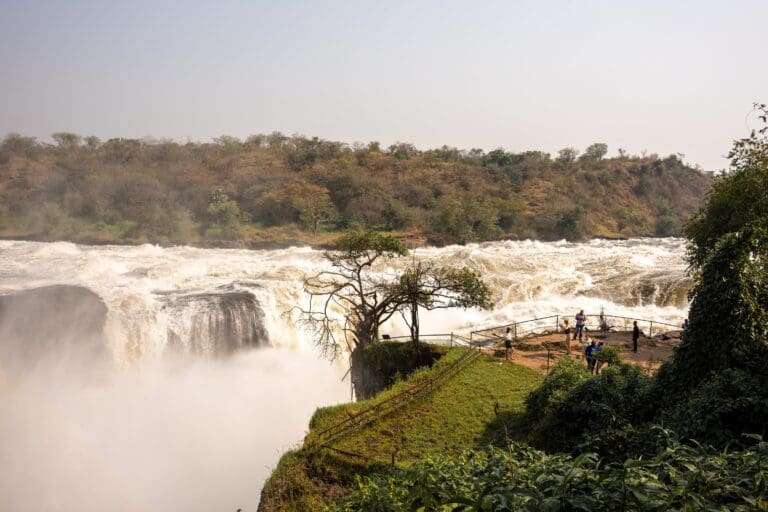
(567, 375)
(678, 477)
(721, 407)
(728, 315)
(601, 412)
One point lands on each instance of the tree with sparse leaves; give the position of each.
(352, 289)
(426, 286)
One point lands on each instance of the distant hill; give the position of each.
(274, 189)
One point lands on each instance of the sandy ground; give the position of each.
(532, 352)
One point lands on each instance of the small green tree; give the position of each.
(426, 286)
(314, 206)
(567, 155)
(224, 214)
(349, 303)
(67, 140)
(596, 151)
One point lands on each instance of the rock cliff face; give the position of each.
(375, 368)
(215, 323)
(54, 323)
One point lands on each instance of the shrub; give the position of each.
(567, 375)
(724, 405)
(679, 477)
(603, 413)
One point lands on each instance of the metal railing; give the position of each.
(551, 324)
(450, 339)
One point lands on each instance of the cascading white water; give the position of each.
(168, 424)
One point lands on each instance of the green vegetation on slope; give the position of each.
(273, 188)
(478, 407)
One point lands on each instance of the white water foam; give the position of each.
(162, 433)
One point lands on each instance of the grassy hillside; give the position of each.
(476, 408)
(273, 189)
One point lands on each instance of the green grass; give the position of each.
(327, 416)
(478, 407)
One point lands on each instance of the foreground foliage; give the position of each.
(678, 477)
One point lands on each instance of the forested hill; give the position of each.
(279, 189)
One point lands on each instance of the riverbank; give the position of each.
(253, 239)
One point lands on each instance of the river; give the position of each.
(195, 379)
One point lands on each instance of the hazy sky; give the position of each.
(661, 76)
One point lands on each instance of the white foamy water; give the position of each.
(207, 379)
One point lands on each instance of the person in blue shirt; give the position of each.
(589, 355)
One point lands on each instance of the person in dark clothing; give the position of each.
(635, 336)
(588, 355)
(507, 343)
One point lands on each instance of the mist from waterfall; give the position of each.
(201, 378)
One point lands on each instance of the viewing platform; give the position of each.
(539, 342)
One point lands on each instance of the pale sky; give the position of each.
(660, 76)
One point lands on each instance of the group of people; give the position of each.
(592, 355)
(592, 349)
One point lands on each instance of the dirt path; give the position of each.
(532, 352)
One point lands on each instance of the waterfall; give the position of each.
(190, 368)
(210, 303)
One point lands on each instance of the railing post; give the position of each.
(548, 354)
(557, 322)
(451, 339)
(515, 335)
(651, 333)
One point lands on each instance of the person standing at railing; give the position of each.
(566, 326)
(581, 319)
(635, 336)
(508, 336)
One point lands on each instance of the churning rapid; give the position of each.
(144, 378)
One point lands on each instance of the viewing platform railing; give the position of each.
(552, 324)
(483, 338)
(450, 339)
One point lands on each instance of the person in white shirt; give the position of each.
(581, 320)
